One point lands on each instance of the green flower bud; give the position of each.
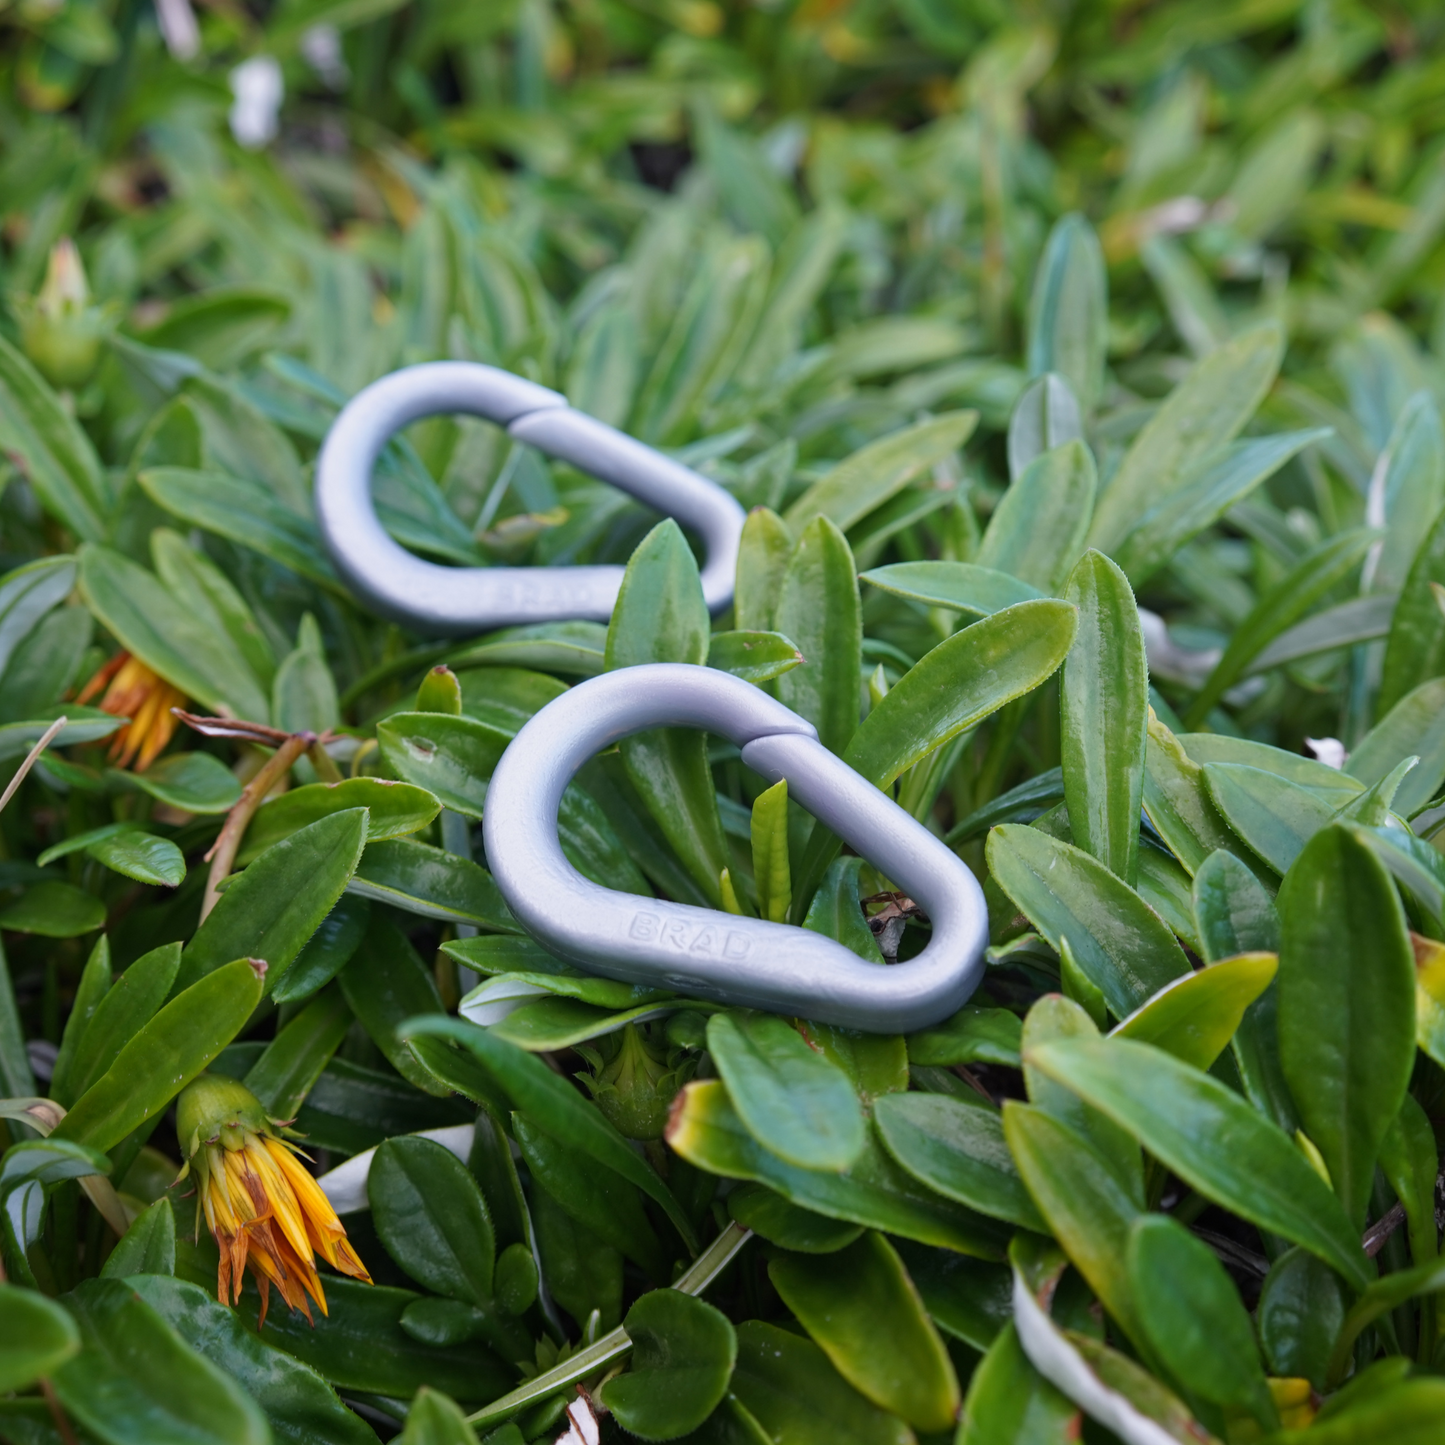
(632, 1083)
(60, 331)
(213, 1109)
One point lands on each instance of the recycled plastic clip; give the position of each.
(734, 960)
(456, 601)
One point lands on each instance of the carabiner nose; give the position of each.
(460, 601)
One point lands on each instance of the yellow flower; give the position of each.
(263, 1207)
(132, 690)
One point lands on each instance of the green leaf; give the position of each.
(1211, 1139)
(706, 1130)
(242, 512)
(772, 871)
(788, 1225)
(86, 725)
(794, 1392)
(279, 901)
(957, 1149)
(1124, 948)
(1104, 705)
(860, 1306)
(974, 1035)
(326, 952)
(1415, 726)
(1177, 802)
(756, 657)
(360, 1346)
(1317, 573)
(130, 1004)
(435, 1419)
(683, 1352)
(1195, 1017)
(555, 1106)
(1380, 1297)
(1335, 787)
(301, 1406)
(1010, 1403)
(1037, 531)
(1301, 1308)
(432, 883)
(1274, 816)
(136, 1379)
(1346, 1006)
(795, 1103)
(1410, 1162)
(450, 757)
(1205, 411)
(958, 586)
(54, 910)
(165, 1056)
(36, 1337)
(872, 475)
(137, 607)
(385, 983)
(837, 913)
(818, 608)
(1045, 418)
(147, 1247)
(95, 983)
(1193, 1319)
(393, 810)
(303, 695)
(1222, 480)
(1408, 1414)
(293, 1061)
(1407, 490)
(661, 616)
(606, 1205)
(26, 595)
(48, 1161)
(432, 1219)
(1088, 1209)
(141, 856)
(763, 554)
(961, 682)
(1415, 650)
(192, 782)
(1068, 310)
(52, 448)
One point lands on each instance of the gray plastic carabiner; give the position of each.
(742, 961)
(456, 601)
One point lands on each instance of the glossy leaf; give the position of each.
(275, 906)
(95, 983)
(1010, 1403)
(393, 810)
(1037, 531)
(1122, 945)
(789, 1225)
(861, 1308)
(293, 1061)
(763, 553)
(1193, 1318)
(160, 1060)
(432, 1218)
(792, 1099)
(1104, 701)
(556, 1107)
(450, 757)
(1301, 1309)
(706, 1130)
(958, 586)
(661, 616)
(683, 1351)
(54, 910)
(1211, 1138)
(1415, 650)
(818, 608)
(753, 656)
(1274, 816)
(957, 1149)
(1195, 1017)
(772, 870)
(192, 782)
(136, 1378)
(147, 1247)
(871, 476)
(1346, 1006)
(1413, 727)
(974, 1035)
(1203, 412)
(974, 673)
(430, 882)
(141, 856)
(1045, 417)
(794, 1392)
(36, 1337)
(1068, 309)
(130, 1004)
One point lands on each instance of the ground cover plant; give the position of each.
(1080, 367)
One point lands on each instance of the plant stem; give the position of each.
(701, 1273)
(223, 851)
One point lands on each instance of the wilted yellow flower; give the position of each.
(260, 1203)
(132, 690)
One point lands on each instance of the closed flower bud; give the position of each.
(263, 1207)
(61, 332)
(633, 1084)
